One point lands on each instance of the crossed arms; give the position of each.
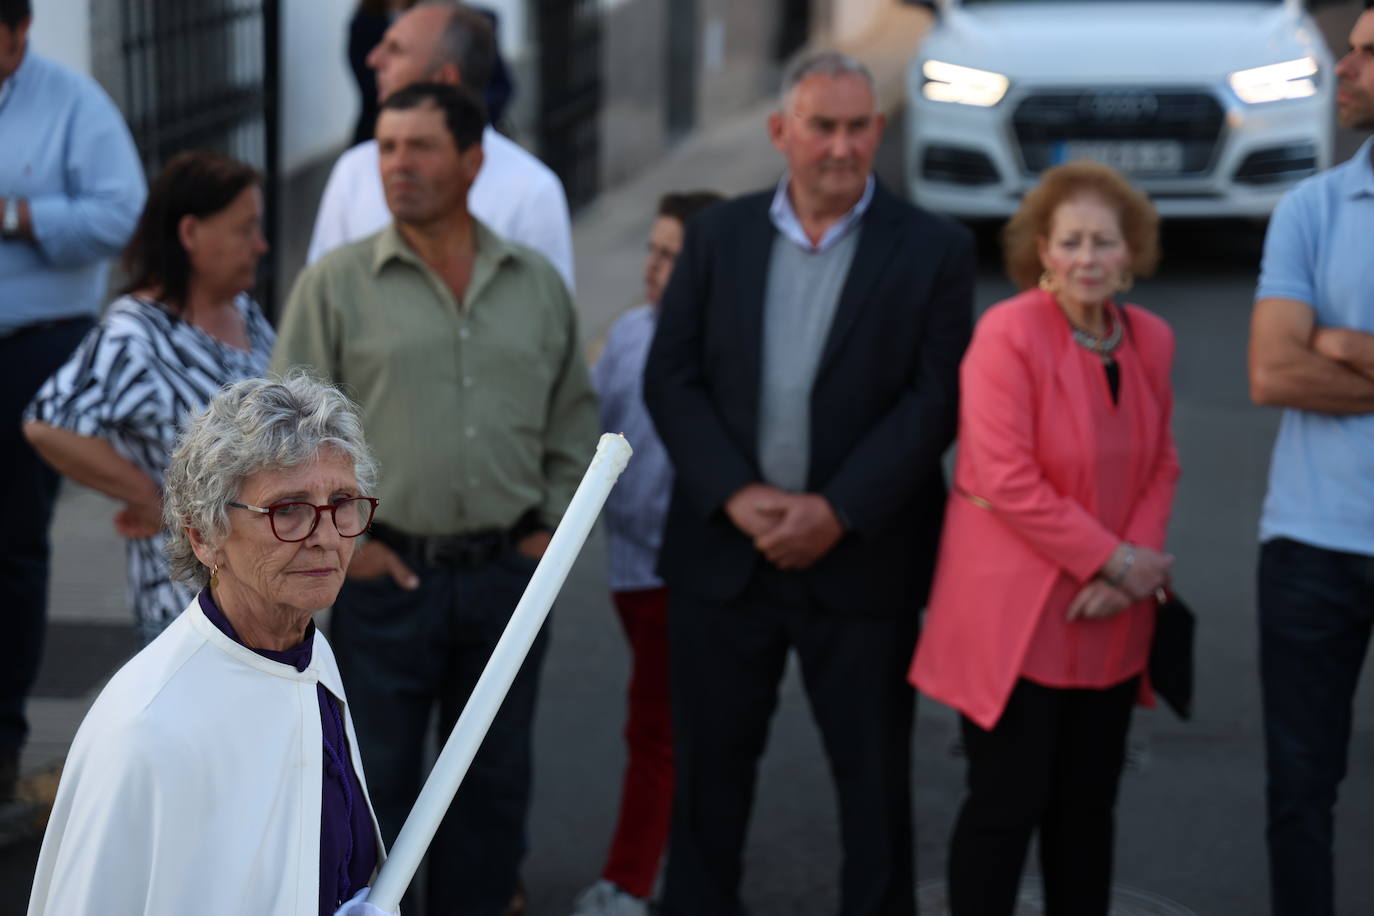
(1296, 363)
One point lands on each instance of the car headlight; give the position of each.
(962, 85)
(1292, 79)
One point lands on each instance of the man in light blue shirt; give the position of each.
(1312, 353)
(71, 189)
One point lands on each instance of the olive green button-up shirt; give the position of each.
(479, 410)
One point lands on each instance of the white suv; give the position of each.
(1214, 107)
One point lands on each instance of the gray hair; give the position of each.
(247, 427)
(469, 41)
(822, 63)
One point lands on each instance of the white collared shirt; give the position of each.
(785, 218)
(515, 195)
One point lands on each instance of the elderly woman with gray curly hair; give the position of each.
(218, 771)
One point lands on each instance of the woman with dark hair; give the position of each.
(635, 513)
(182, 329)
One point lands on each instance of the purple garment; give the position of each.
(348, 846)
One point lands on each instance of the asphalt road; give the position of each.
(1191, 812)
(1191, 817)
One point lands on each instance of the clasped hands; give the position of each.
(1133, 580)
(791, 530)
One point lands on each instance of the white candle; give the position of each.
(612, 454)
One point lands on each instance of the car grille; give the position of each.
(1045, 118)
(958, 165)
(1278, 164)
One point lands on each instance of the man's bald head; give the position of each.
(439, 41)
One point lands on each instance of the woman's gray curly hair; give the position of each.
(247, 427)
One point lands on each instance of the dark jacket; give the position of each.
(883, 408)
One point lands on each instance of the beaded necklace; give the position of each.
(1103, 346)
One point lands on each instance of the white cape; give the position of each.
(193, 785)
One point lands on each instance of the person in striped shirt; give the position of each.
(184, 327)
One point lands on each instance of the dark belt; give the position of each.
(456, 551)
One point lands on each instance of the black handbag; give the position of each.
(1171, 653)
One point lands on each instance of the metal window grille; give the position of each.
(203, 74)
(570, 93)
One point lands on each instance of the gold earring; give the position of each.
(1127, 281)
(1046, 281)
(214, 577)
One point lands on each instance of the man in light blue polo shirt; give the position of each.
(71, 189)
(1312, 353)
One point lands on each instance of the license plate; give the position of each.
(1132, 157)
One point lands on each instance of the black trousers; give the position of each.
(28, 489)
(725, 665)
(1316, 611)
(1052, 763)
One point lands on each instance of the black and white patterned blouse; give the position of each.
(132, 381)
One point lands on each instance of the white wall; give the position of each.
(62, 31)
(319, 100)
(851, 19)
(516, 37)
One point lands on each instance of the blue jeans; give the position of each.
(28, 489)
(401, 654)
(1315, 611)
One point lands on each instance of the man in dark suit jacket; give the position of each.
(804, 378)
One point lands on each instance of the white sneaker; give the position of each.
(606, 899)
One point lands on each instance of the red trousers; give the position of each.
(646, 794)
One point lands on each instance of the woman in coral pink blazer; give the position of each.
(1041, 614)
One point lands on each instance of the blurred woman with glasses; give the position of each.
(218, 771)
(184, 327)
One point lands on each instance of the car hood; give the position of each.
(1124, 41)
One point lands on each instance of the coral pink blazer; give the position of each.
(1021, 513)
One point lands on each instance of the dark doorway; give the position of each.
(570, 84)
(202, 74)
(681, 61)
(794, 27)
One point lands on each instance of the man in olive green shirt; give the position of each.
(462, 350)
